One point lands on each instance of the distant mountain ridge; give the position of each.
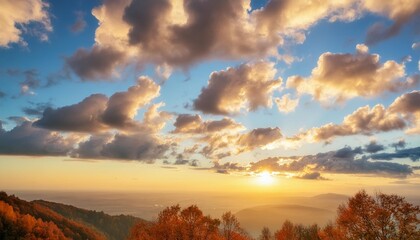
(74, 223)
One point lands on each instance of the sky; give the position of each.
(210, 95)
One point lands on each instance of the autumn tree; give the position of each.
(265, 234)
(176, 224)
(290, 231)
(14, 225)
(380, 217)
(231, 229)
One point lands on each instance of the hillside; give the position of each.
(72, 222)
(113, 227)
(272, 216)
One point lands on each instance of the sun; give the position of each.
(265, 178)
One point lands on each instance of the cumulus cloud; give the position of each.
(186, 123)
(409, 106)
(36, 109)
(98, 112)
(98, 63)
(122, 106)
(332, 162)
(248, 86)
(92, 147)
(81, 117)
(411, 153)
(141, 147)
(364, 120)
(399, 144)
(401, 12)
(27, 140)
(181, 33)
(265, 138)
(218, 139)
(374, 147)
(286, 104)
(403, 113)
(339, 77)
(15, 17)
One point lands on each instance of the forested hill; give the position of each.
(42, 219)
(113, 227)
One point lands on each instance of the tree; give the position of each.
(231, 229)
(381, 217)
(265, 234)
(176, 224)
(286, 232)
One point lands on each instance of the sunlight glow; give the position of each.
(265, 178)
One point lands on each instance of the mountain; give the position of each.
(319, 209)
(58, 221)
(272, 216)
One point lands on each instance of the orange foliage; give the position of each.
(186, 224)
(383, 217)
(14, 225)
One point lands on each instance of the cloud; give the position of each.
(197, 30)
(27, 140)
(143, 147)
(225, 137)
(81, 117)
(179, 33)
(401, 12)
(311, 176)
(221, 145)
(415, 45)
(364, 120)
(31, 80)
(98, 63)
(98, 112)
(226, 168)
(411, 153)
(339, 77)
(248, 86)
(332, 162)
(122, 106)
(409, 106)
(15, 17)
(36, 109)
(403, 113)
(80, 24)
(286, 104)
(265, 138)
(399, 144)
(92, 147)
(374, 147)
(140, 147)
(186, 123)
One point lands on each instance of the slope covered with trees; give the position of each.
(113, 227)
(72, 222)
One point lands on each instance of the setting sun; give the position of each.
(265, 178)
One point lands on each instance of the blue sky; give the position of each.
(327, 48)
